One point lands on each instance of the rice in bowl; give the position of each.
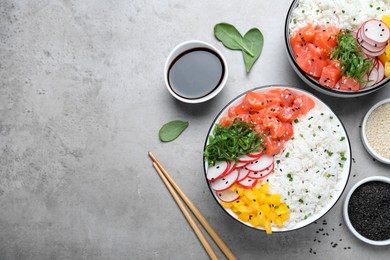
(308, 172)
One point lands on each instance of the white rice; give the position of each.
(307, 171)
(344, 14)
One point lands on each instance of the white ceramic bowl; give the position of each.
(314, 83)
(186, 46)
(346, 215)
(343, 177)
(366, 144)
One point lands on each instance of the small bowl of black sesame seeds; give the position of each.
(367, 210)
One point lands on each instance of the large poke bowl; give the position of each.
(277, 158)
(340, 47)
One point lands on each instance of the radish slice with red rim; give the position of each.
(227, 195)
(261, 163)
(381, 71)
(219, 169)
(240, 164)
(261, 174)
(373, 77)
(376, 31)
(243, 173)
(248, 182)
(246, 158)
(225, 182)
(256, 154)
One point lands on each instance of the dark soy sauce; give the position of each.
(196, 73)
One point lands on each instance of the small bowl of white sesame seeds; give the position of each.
(375, 131)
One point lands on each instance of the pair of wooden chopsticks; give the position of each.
(177, 193)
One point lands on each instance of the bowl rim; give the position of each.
(346, 215)
(313, 82)
(295, 89)
(188, 45)
(363, 135)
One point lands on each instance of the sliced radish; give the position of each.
(240, 164)
(374, 48)
(373, 76)
(219, 169)
(248, 182)
(373, 54)
(364, 84)
(227, 195)
(243, 173)
(246, 158)
(361, 36)
(255, 154)
(376, 31)
(381, 71)
(261, 174)
(261, 163)
(225, 182)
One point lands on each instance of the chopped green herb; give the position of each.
(277, 161)
(287, 154)
(301, 135)
(303, 11)
(371, 6)
(305, 217)
(309, 126)
(322, 114)
(319, 127)
(317, 11)
(290, 178)
(288, 193)
(276, 207)
(348, 52)
(295, 21)
(343, 11)
(341, 165)
(319, 197)
(330, 153)
(342, 155)
(292, 138)
(342, 138)
(314, 135)
(331, 117)
(296, 120)
(300, 200)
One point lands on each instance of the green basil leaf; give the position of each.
(254, 40)
(171, 130)
(231, 37)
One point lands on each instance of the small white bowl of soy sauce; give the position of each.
(195, 71)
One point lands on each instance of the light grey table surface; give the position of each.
(82, 99)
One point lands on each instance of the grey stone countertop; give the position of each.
(82, 98)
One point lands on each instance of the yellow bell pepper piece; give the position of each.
(386, 20)
(387, 69)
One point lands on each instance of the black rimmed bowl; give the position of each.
(312, 82)
(342, 177)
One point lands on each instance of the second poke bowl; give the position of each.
(340, 47)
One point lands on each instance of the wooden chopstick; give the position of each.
(224, 248)
(186, 213)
